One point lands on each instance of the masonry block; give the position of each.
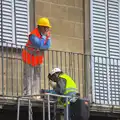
(63, 27)
(76, 45)
(70, 44)
(79, 30)
(75, 14)
(67, 2)
(79, 3)
(51, 1)
(57, 43)
(43, 8)
(59, 12)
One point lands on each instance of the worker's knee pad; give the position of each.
(79, 110)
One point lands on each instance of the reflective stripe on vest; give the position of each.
(70, 84)
(35, 52)
(68, 90)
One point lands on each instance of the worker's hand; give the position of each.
(52, 84)
(59, 101)
(45, 33)
(48, 34)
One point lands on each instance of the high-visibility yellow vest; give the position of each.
(70, 87)
(70, 84)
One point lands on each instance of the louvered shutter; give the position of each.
(21, 21)
(6, 21)
(15, 21)
(105, 42)
(99, 48)
(114, 50)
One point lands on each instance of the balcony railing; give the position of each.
(97, 77)
(12, 69)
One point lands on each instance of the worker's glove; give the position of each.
(59, 101)
(65, 104)
(73, 99)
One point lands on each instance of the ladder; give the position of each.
(30, 113)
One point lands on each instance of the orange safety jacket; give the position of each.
(32, 55)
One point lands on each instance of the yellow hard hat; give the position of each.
(44, 22)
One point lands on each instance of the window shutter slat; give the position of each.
(21, 17)
(7, 17)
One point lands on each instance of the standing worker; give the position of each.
(65, 85)
(33, 56)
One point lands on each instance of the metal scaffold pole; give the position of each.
(48, 107)
(30, 110)
(43, 110)
(18, 109)
(67, 108)
(55, 106)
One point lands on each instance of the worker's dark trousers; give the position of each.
(80, 110)
(65, 109)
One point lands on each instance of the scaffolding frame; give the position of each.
(48, 101)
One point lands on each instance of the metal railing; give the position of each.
(12, 69)
(97, 77)
(105, 80)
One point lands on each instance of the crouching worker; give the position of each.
(65, 85)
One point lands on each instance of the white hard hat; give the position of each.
(55, 70)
